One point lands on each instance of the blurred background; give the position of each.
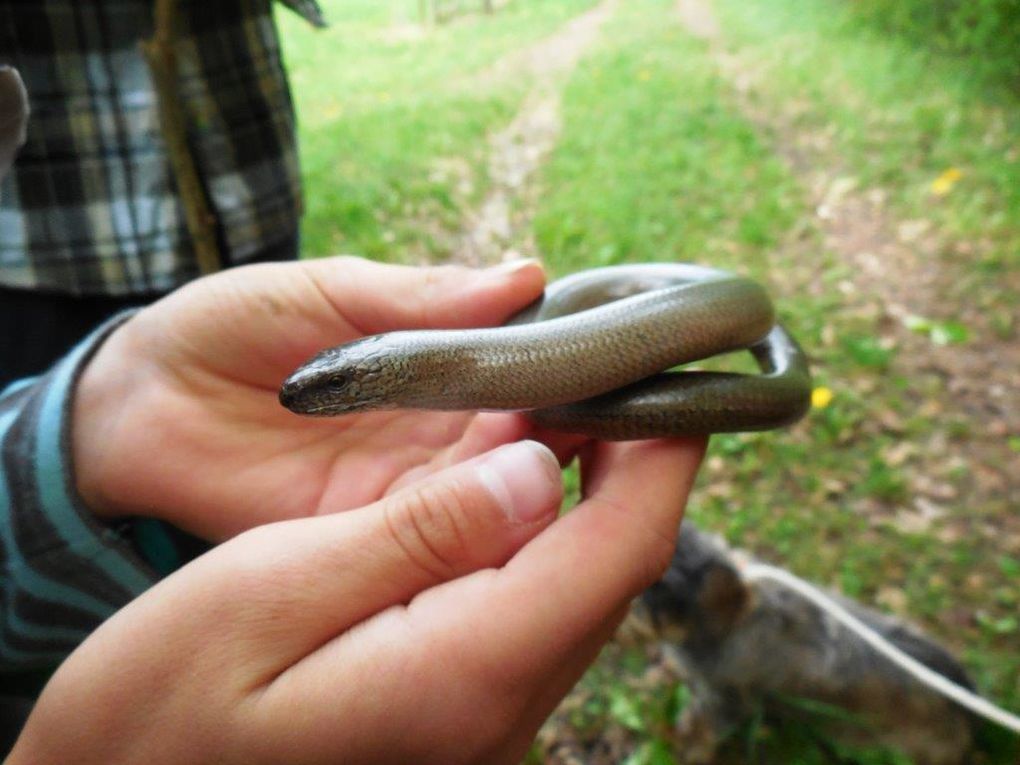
(861, 157)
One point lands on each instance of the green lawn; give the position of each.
(394, 118)
(660, 160)
(653, 164)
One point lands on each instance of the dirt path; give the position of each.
(698, 19)
(898, 270)
(493, 230)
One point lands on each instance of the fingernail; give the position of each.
(513, 266)
(524, 478)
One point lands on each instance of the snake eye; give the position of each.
(338, 382)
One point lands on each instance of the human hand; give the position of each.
(177, 416)
(441, 624)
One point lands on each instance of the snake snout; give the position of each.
(289, 395)
(310, 389)
(294, 395)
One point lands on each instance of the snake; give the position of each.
(594, 355)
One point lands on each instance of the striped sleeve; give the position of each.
(62, 571)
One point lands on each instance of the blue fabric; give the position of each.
(63, 571)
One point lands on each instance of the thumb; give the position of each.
(381, 297)
(330, 572)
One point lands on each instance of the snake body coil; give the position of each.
(588, 357)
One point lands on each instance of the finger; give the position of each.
(398, 651)
(592, 561)
(495, 636)
(485, 432)
(563, 678)
(297, 309)
(380, 297)
(326, 574)
(505, 706)
(271, 317)
(538, 622)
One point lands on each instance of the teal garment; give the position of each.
(64, 571)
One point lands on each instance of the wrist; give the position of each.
(100, 408)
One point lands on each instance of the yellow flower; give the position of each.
(821, 397)
(644, 75)
(945, 182)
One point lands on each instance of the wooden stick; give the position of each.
(162, 58)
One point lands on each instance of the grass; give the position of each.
(658, 161)
(653, 165)
(901, 115)
(393, 119)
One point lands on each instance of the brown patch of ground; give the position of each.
(698, 19)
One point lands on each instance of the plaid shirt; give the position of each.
(90, 206)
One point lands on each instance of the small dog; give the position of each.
(748, 646)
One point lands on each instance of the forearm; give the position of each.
(64, 571)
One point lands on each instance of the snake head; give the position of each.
(355, 377)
